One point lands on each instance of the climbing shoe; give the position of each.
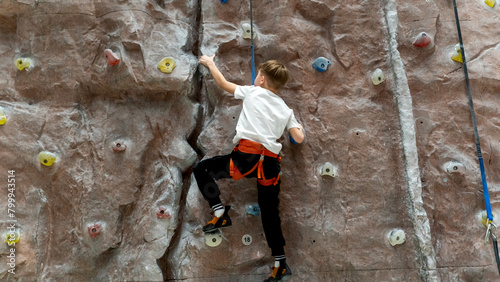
(280, 273)
(218, 222)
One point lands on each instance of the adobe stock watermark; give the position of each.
(12, 234)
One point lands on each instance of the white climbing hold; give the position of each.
(397, 237)
(213, 239)
(454, 167)
(378, 77)
(328, 169)
(247, 31)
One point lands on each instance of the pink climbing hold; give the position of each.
(422, 40)
(162, 212)
(94, 230)
(119, 146)
(111, 57)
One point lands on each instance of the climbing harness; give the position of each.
(254, 148)
(251, 46)
(490, 227)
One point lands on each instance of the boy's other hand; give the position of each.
(206, 60)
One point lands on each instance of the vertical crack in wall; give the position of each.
(192, 139)
(426, 257)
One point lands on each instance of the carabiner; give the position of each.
(489, 232)
(487, 236)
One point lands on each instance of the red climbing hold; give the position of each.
(422, 40)
(111, 57)
(119, 146)
(162, 212)
(94, 230)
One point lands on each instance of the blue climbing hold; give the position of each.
(253, 209)
(321, 64)
(223, 1)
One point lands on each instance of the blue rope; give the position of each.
(473, 115)
(251, 47)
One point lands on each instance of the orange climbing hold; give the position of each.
(111, 57)
(422, 40)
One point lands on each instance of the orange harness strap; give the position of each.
(250, 147)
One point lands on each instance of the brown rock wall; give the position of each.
(75, 105)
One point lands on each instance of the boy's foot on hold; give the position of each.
(280, 273)
(218, 222)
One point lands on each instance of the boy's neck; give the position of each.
(270, 89)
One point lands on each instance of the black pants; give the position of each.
(208, 171)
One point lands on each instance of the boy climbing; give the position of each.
(262, 121)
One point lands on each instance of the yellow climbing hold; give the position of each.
(167, 65)
(46, 158)
(12, 237)
(3, 118)
(23, 63)
(457, 55)
(490, 3)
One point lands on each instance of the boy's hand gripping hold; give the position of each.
(225, 85)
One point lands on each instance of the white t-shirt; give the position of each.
(263, 118)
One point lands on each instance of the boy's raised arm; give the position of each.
(217, 75)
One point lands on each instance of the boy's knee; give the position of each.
(198, 168)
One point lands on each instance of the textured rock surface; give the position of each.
(388, 143)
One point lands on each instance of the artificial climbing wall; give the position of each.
(104, 111)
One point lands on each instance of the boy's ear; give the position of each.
(264, 80)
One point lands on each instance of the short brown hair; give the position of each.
(275, 72)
